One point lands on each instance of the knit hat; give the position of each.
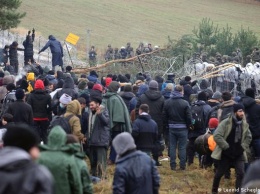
(8, 79)
(51, 72)
(250, 92)
(19, 94)
(20, 136)
(82, 84)
(153, 84)
(217, 95)
(30, 76)
(97, 87)
(237, 107)
(39, 85)
(213, 123)
(108, 81)
(123, 143)
(113, 86)
(65, 99)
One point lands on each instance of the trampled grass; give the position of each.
(117, 22)
(193, 180)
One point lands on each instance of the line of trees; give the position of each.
(209, 38)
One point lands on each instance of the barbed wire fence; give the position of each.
(43, 58)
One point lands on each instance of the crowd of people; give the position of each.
(57, 118)
(52, 120)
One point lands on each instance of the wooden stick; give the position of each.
(83, 70)
(226, 67)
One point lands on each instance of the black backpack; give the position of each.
(9, 98)
(197, 114)
(61, 121)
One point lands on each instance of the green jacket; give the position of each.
(221, 134)
(83, 168)
(60, 163)
(118, 111)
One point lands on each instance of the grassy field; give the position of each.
(118, 21)
(194, 180)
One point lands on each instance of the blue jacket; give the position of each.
(54, 45)
(145, 132)
(136, 173)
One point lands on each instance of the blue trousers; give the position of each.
(178, 140)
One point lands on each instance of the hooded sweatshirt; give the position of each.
(21, 174)
(60, 163)
(74, 108)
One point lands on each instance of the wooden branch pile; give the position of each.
(101, 66)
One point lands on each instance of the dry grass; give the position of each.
(119, 21)
(193, 180)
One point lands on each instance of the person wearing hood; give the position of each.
(19, 172)
(205, 87)
(67, 88)
(145, 130)
(62, 165)
(40, 102)
(127, 95)
(83, 86)
(56, 51)
(154, 99)
(233, 138)
(188, 91)
(98, 137)
(215, 103)
(252, 111)
(74, 108)
(135, 171)
(80, 157)
(6, 80)
(13, 56)
(118, 112)
(93, 77)
(60, 79)
(193, 134)
(177, 120)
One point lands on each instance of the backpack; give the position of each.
(63, 122)
(8, 99)
(197, 114)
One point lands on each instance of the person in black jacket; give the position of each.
(28, 47)
(193, 134)
(13, 56)
(154, 99)
(252, 111)
(135, 171)
(98, 137)
(56, 51)
(21, 174)
(145, 130)
(127, 95)
(21, 111)
(40, 102)
(177, 119)
(67, 88)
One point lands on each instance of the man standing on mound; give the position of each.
(56, 51)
